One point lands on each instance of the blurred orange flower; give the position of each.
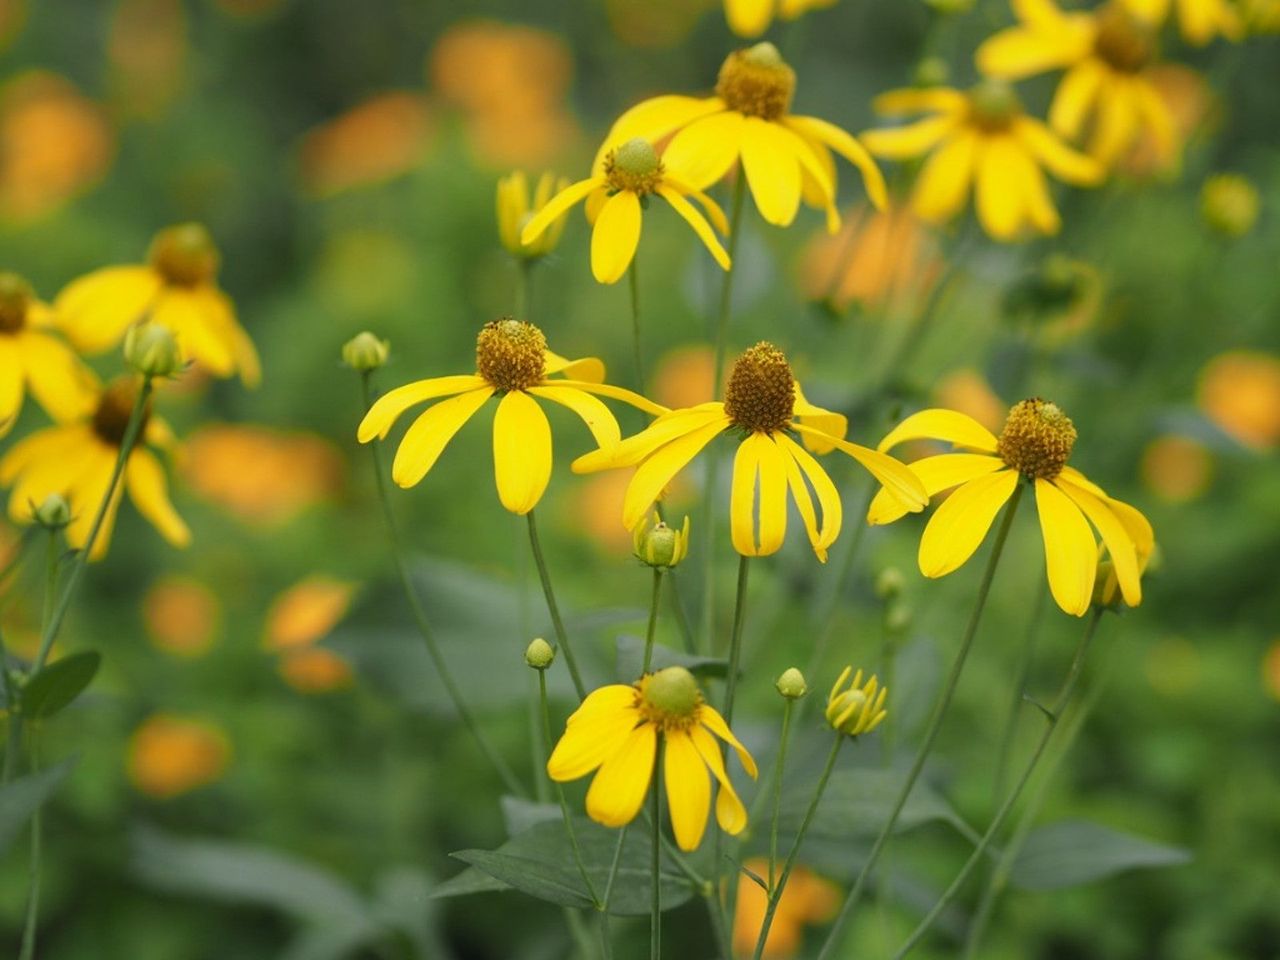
(181, 615)
(1176, 469)
(1240, 392)
(593, 507)
(299, 617)
(381, 138)
(879, 260)
(260, 475)
(806, 899)
(1189, 100)
(54, 145)
(147, 48)
(969, 392)
(170, 755)
(683, 377)
(315, 670)
(248, 8)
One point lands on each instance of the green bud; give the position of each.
(931, 72)
(152, 350)
(539, 654)
(53, 513)
(365, 352)
(791, 684)
(659, 545)
(889, 583)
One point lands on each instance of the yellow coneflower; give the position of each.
(763, 400)
(784, 156)
(615, 732)
(1035, 444)
(750, 18)
(33, 358)
(1199, 20)
(516, 208)
(177, 288)
(512, 360)
(980, 139)
(616, 193)
(76, 460)
(1109, 54)
(857, 708)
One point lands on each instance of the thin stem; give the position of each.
(562, 635)
(605, 940)
(424, 625)
(779, 768)
(775, 895)
(931, 733)
(655, 861)
(14, 742)
(28, 950)
(653, 619)
(735, 639)
(524, 288)
(636, 346)
(726, 288)
(1019, 688)
(1054, 715)
(564, 806)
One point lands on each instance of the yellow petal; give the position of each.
(557, 207)
(521, 452)
(703, 152)
(845, 144)
(614, 393)
(615, 237)
(97, 309)
(186, 314)
(592, 412)
(942, 187)
(1070, 552)
(937, 424)
(730, 813)
(590, 369)
(1035, 196)
(633, 449)
(1080, 480)
(1001, 200)
(828, 496)
(1158, 119)
(1115, 536)
(617, 792)
(1017, 52)
(896, 477)
(773, 172)
(833, 424)
(773, 496)
(1063, 162)
(149, 491)
(916, 100)
(62, 384)
(86, 494)
(938, 473)
(51, 444)
(47, 461)
(742, 496)
(664, 463)
(1117, 122)
(903, 143)
(688, 789)
(427, 437)
(748, 18)
(11, 379)
(698, 223)
(1074, 99)
(1137, 526)
(958, 526)
(388, 407)
(589, 742)
(711, 719)
(654, 119)
(1043, 14)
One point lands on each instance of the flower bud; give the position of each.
(659, 545)
(1229, 204)
(791, 684)
(516, 207)
(539, 654)
(365, 352)
(931, 72)
(857, 709)
(53, 513)
(152, 350)
(889, 583)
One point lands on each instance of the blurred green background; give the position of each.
(268, 768)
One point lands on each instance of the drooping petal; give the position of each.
(561, 202)
(1074, 99)
(1115, 536)
(149, 491)
(617, 792)
(1137, 526)
(615, 237)
(920, 100)
(704, 151)
(911, 140)
(938, 424)
(598, 418)
(185, 313)
(804, 502)
(1063, 162)
(219, 316)
(1017, 52)
(827, 421)
(773, 496)
(688, 789)
(730, 813)
(388, 407)
(614, 393)
(521, 452)
(48, 461)
(749, 18)
(959, 525)
(86, 493)
(942, 187)
(635, 448)
(654, 119)
(1070, 552)
(894, 475)
(828, 496)
(1000, 185)
(61, 383)
(1039, 206)
(590, 369)
(773, 171)
(712, 720)
(742, 497)
(592, 740)
(664, 463)
(845, 144)
(97, 309)
(1117, 122)
(1158, 119)
(1080, 480)
(699, 224)
(49, 445)
(427, 437)
(939, 473)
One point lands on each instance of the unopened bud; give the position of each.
(365, 352)
(1229, 204)
(791, 684)
(931, 72)
(54, 512)
(539, 654)
(659, 545)
(889, 583)
(152, 350)
(897, 618)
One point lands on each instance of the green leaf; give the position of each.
(20, 798)
(1074, 852)
(520, 814)
(469, 881)
(858, 801)
(58, 684)
(631, 660)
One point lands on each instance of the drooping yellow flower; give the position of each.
(1199, 20)
(1108, 54)
(616, 731)
(616, 193)
(176, 288)
(170, 755)
(512, 360)
(980, 139)
(750, 18)
(33, 357)
(515, 208)
(784, 156)
(76, 460)
(807, 899)
(1035, 444)
(764, 402)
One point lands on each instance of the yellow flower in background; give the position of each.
(784, 156)
(515, 208)
(379, 139)
(176, 288)
(626, 176)
(1176, 469)
(33, 357)
(1108, 54)
(307, 611)
(1261, 16)
(1229, 204)
(170, 755)
(1199, 20)
(763, 401)
(980, 140)
(76, 460)
(512, 360)
(1240, 392)
(1035, 444)
(615, 732)
(806, 900)
(969, 392)
(181, 615)
(315, 670)
(857, 708)
(750, 18)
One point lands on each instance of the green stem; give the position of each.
(653, 619)
(655, 861)
(636, 346)
(735, 639)
(14, 733)
(775, 895)
(605, 940)
(1019, 689)
(524, 288)
(931, 733)
(423, 624)
(562, 635)
(564, 805)
(1054, 715)
(779, 768)
(28, 950)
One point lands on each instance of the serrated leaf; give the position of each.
(56, 686)
(630, 660)
(858, 801)
(20, 798)
(1074, 852)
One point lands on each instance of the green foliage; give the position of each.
(1073, 852)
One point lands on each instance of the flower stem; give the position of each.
(779, 768)
(735, 639)
(28, 950)
(636, 346)
(653, 619)
(524, 288)
(1054, 714)
(1019, 689)
(655, 860)
(562, 635)
(775, 894)
(606, 942)
(931, 733)
(424, 625)
(564, 806)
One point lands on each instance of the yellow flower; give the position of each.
(76, 460)
(1261, 16)
(859, 708)
(176, 288)
(515, 209)
(1035, 444)
(784, 156)
(750, 18)
(626, 176)
(32, 357)
(763, 400)
(980, 137)
(806, 899)
(375, 141)
(512, 359)
(171, 755)
(616, 730)
(1199, 20)
(1108, 54)
(1240, 392)
(1229, 204)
